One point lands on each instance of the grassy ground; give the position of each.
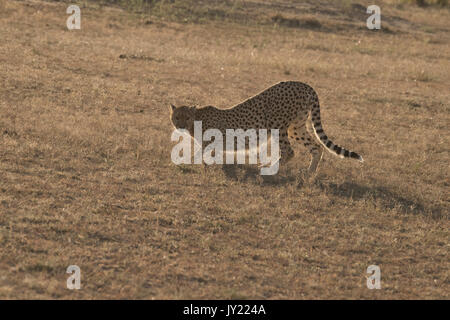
(86, 177)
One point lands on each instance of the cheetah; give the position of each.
(286, 106)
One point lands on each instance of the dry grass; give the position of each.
(86, 176)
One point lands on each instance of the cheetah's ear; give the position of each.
(172, 108)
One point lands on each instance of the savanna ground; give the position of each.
(86, 177)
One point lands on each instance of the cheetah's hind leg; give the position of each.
(299, 133)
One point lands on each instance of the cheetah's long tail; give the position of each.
(327, 143)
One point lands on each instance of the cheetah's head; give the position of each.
(182, 117)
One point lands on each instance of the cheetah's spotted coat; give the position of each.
(285, 106)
